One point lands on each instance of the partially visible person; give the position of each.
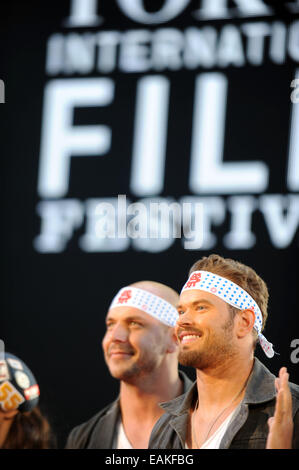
(141, 351)
(22, 425)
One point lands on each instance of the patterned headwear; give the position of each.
(147, 302)
(18, 387)
(234, 295)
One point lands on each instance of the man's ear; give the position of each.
(173, 342)
(245, 322)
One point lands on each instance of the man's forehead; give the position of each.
(124, 312)
(196, 295)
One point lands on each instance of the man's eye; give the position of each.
(135, 323)
(181, 312)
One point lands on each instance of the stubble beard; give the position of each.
(218, 349)
(135, 371)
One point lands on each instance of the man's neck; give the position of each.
(139, 403)
(219, 385)
(141, 398)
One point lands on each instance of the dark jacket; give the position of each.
(98, 432)
(247, 430)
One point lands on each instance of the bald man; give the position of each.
(141, 351)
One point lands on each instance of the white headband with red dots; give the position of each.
(234, 295)
(147, 302)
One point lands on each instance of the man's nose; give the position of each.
(119, 333)
(184, 319)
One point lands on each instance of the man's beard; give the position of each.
(218, 348)
(136, 370)
(128, 371)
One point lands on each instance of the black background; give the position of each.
(54, 305)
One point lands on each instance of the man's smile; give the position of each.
(189, 336)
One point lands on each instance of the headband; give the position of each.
(233, 295)
(147, 302)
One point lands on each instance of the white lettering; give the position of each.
(208, 173)
(213, 213)
(79, 53)
(218, 9)
(167, 49)
(295, 93)
(134, 54)
(55, 54)
(59, 219)
(2, 92)
(193, 216)
(295, 353)
(281, 215)
(149, 144)
(60, 140)
(293, 43)
(137, 51)
(153, 222)
(138, 225)
(277, 48)
(240, 235)
(135, 10)
(101, 225)
(163, 216)
(230, 48)
(256, 33)
(83, 14)
(107, 56)
(200, 47)
(293, 158)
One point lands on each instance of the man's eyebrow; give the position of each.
(127, 319)
(135, 318)
(196, 302)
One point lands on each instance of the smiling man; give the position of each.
(141, 351)
(235, 402)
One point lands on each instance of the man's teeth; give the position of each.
(187, 337)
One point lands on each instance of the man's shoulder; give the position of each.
(80, 435)
(170, 429)
(294, 388)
